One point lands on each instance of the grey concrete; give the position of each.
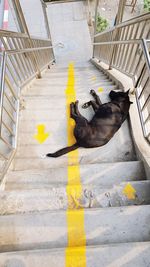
(120, 255)
(49, 229)
(102, 174)
(68, 26)
(56, 198)
(34, 18)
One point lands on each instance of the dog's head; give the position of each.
(119, 96)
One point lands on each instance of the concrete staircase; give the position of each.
(34, 203)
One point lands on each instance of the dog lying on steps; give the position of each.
(106, 121)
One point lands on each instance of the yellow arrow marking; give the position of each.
(41, 136)
(129, 191)
(93, 78)
(100, 89)
(75, 218)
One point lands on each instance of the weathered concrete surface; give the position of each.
(68, 26)
(102, 174)
(49, 229)
(120, 255)
(35, 20)
(56, 198)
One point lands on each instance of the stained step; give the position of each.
(49, 229)
(103, 175)
(59, 89)
(120, 255)
(91, 196)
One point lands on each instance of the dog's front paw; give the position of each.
(72, 105)
(92, 92)
(86, 105)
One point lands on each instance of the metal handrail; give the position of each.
(21, 51)
(137, 41)
(17, 69)
(14, 52)
(146, 52)
(129, 22)
(6, 33)
(125, 48)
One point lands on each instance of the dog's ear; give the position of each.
(127, 92)
(112, 93)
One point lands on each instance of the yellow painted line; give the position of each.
(75, 218)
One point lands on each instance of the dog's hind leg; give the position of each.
(91, 103)
(77, 108)
(75, 114)
(72, 110)
(96, 97)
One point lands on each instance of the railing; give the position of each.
(126, 48)
(22, 58)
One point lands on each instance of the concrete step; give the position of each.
(88, 68)
(29, 152)
(79, 81)
(59, 89)
(38, 103)
(55, 198)
(47, 109)
(102, 175)
(120, 255)
(54, 128)
(58, 135)
(49, 229)
(42, 103)
(52, 114)
(91, 77)
(62, 82)
(80, 78)
(40, 163)
(41, 115)
(89, 71)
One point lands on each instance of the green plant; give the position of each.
(101, 23)
(147, 5)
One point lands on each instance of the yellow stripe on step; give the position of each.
(75, 257)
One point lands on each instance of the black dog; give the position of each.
(107, 120)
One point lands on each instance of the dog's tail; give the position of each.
(63, 151)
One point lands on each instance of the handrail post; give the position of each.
(95, 24)
(2, 84)
(146, 53)
(44, 6)
(118, 20)
(89, 13)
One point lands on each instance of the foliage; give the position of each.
(147, 5)
(101, 23)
